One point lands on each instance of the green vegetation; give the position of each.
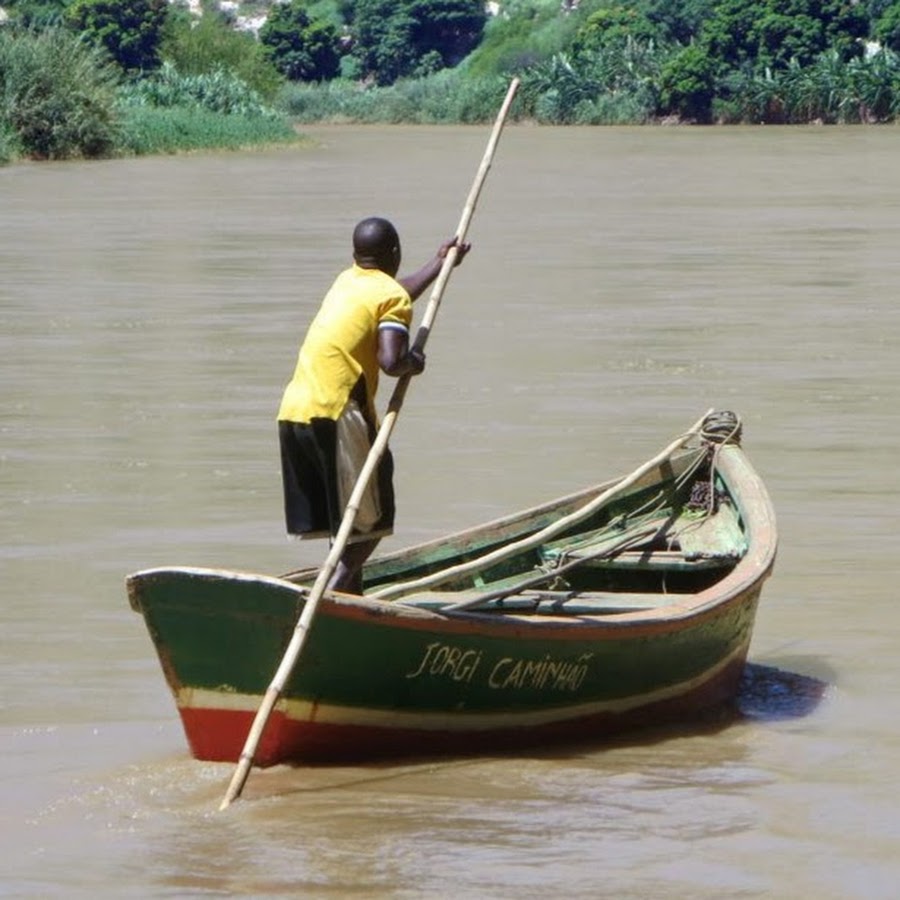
(9, 143)
(439, 99)
(104, 77)
(619, 61)
(302, 49)
(152, 129)
(219, 91)
(57, 96)
(412, 38)
(130, 30)
(210, 44)
(101, 80)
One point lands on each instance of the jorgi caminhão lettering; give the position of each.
(462, 664)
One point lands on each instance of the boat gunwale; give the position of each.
(521, 522)
(745, 486)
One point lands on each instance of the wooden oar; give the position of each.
(301, 630)
(545, 534)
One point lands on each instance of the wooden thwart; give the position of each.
(547, 603)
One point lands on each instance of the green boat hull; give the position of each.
(408, 676)
(374, 682)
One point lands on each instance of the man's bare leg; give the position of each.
(347, 576)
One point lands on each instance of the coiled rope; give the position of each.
(722, 427)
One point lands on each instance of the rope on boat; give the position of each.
(722, 427)
(540, 537)
(719, 428)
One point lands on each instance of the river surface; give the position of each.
(622, 282)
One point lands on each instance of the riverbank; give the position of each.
(63, 99)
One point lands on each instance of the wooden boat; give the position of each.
(629, 603)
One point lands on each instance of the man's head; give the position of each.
(376, 245)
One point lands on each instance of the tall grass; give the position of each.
(170, 112)
(445, 97)
(175, 129)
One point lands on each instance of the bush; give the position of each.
(219, 91)
(829, 90)
(37, 14)
(209, 44)
(610, 109)
(617, 84)
(886, 28)
(57, 95)
(395, 39)
(612, 26)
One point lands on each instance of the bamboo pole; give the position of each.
(545, 534)
(301, 630)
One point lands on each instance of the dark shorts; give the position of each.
(309, 469)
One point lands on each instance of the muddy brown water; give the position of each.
(622, 281)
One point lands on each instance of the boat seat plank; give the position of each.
(556, 603)
(719, 535)
(668, 560)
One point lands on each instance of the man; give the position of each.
(327, 420)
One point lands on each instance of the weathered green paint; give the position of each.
(223, 634)
(683, 628)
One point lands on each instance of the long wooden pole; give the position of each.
(301, 630)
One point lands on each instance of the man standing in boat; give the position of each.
(327, 420)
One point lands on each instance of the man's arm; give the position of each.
(416, 283)
(394, 355)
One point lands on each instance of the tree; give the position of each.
(762, 34)
(449, 28)
(886, 28)
(130, 30)
(678, 20)
(397, 38)
(687, 84)
(381, 40)
(612, 26)
(300, 48)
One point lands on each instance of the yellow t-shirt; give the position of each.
(341, 346)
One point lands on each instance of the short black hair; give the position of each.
(376, 243)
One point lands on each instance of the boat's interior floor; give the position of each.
(673, 559)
